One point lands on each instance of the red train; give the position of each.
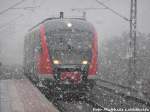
(61, 54)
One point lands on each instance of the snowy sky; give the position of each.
(107, 24)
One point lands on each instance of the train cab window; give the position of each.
(76, 40)
(70, 46)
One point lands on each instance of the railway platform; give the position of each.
(22, 96)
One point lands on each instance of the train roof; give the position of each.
(57, 19)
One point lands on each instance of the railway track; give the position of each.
(59, 103)
(95, 106)
(59, 106)
(124, 95)
(119, 85)
(91, 103)
(55, 102)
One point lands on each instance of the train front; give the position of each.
(72, 45)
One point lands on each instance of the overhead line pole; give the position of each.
(132, 43)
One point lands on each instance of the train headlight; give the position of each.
(69, 25)
(56, 62)
(84, 62)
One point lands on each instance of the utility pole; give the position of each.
(132, 75)
(132, 43)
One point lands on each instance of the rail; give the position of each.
(127, 97)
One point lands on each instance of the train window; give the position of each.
(38, 47)
(70, 40)
(70, 46)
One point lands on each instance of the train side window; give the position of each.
(38, 47)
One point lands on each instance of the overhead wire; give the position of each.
(13, 6)
(79, 9)
(112, 10)
(26, 8)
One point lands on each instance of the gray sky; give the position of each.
(107, 24)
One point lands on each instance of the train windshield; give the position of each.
(70, 46)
